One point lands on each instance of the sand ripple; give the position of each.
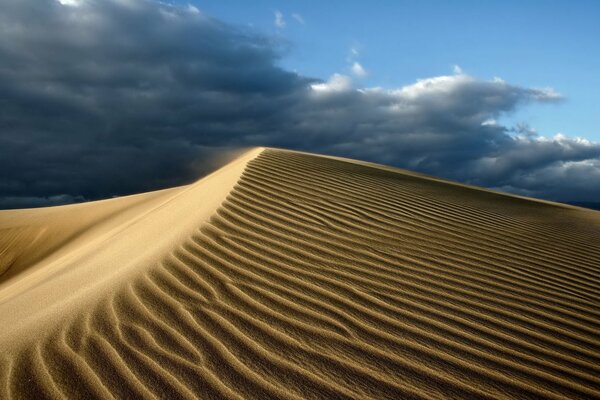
(321, 278)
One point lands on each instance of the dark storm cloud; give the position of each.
(107, 97)
(112, 97)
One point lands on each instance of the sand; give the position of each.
(297, 276)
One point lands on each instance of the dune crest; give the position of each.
(290, 275)
(76, 253)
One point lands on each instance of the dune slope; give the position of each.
(296, 276)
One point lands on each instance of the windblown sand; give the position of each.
(295, 276)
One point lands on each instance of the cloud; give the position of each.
(71, 3)
(337, 83)
(31, 201)
(355, 67)
(358, 69)
(122, 96)
(91, 91)
(279, 20)
(193, 9)
(298, 18)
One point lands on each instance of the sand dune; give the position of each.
(295, 276)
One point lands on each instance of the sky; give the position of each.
(103, 98)
(529, 43)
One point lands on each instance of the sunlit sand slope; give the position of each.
(316, 278)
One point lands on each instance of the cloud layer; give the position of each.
(107, 97)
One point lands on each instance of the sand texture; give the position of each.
(295, 276)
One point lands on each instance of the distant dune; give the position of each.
(296, 276)
(586, 204)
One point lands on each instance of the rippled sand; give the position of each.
(297, 276)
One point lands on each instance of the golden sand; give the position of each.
(296, 276)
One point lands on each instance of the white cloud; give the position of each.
(355, 66)
(298, 18)
(438, 84)
(547, 94)
(358, 70)
(279, 21)
(337, 83)
(193, 9)
(457, 70)
(70, 3)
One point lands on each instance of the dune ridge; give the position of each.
(313, 277)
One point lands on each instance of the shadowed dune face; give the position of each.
(31, 235)
(322, 278)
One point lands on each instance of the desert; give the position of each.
(292, 275)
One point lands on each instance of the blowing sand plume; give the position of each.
(287, 275)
